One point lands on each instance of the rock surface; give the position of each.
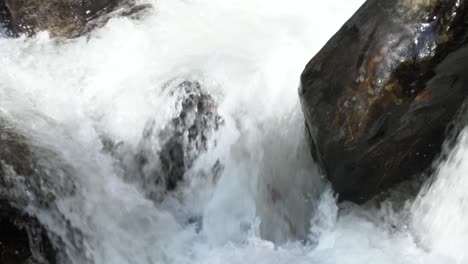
(23, 239)
(379, 98)
(62, 18)
(5, 16)
(164, 156)
(29, 176)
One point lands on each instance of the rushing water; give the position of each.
(248, 54)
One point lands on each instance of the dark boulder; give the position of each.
(62, 18)
(379, 98)
(164, 155)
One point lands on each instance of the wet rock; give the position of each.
(5, 16)
(30, 177)
(164, 156)
(379, 98)
(22, 239)
(186, 137)
(30, 174)
(62, 18)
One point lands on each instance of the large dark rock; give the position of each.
(164, 155)
(62, 18)
(380, 96)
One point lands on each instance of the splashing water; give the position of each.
(440, 213)
(248, 54)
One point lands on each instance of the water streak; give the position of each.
(248, 54)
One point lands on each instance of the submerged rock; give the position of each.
(164, 156)
(62, 18)
(30, 173)
(184, 139)
(30, 176)
(380, 96)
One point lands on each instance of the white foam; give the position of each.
(249, 54)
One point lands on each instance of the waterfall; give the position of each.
(269, 203)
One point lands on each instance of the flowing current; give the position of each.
(249, 55)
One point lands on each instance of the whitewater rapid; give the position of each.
(249, 55)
